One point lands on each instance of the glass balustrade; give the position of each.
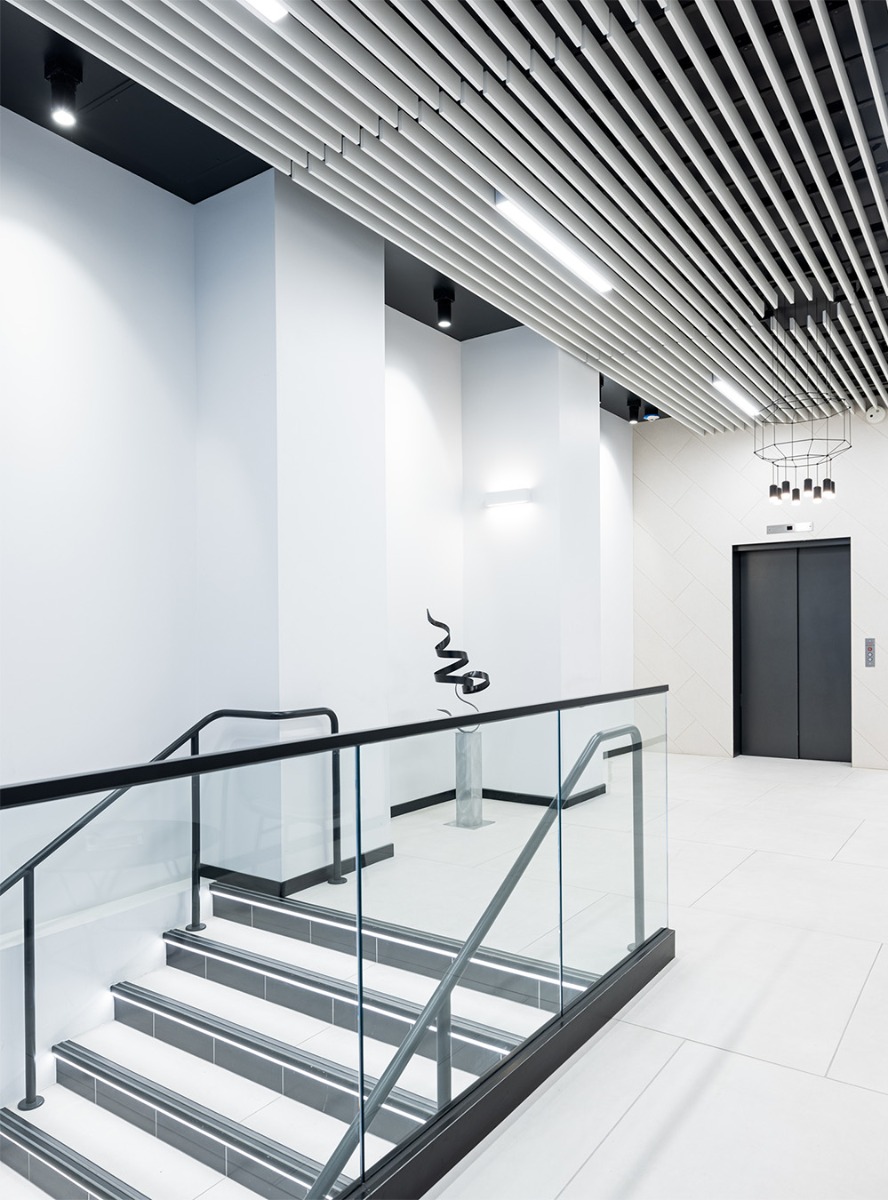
(287, 960)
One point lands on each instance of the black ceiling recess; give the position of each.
(117, 118)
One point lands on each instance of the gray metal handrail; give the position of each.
(25, 873)
(437, 1010)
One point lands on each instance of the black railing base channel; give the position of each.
(415, 1167)
(287, 887)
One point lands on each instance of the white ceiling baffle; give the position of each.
(723, 166)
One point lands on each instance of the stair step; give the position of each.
(476, 1047)
(514, 976)
(44, 1165)
(317, 1082)
(228, 1145)
(296, 1029)
(493, 1011)
(150, 1167)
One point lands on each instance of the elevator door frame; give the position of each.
(735, 566)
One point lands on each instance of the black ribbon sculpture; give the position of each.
(470, 682)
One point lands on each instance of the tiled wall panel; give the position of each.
(695, 499)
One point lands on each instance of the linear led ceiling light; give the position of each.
(270, 9)
(557, 246)
(736, 397)
(64, 74)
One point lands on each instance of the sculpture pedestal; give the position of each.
(468, 781)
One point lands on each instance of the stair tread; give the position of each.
(496, 1012)
(295, 1029)
(141, 1160)
(293, 1124)
(16, 1187)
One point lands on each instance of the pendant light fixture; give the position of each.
(800, 433)
(444, 297)
(64, 74)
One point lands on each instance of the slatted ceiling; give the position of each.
(717, 159)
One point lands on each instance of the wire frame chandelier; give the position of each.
(801, 448)
(802, 433)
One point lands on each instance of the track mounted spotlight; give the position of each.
(444, 298)
(64, 74)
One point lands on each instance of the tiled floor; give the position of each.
(755, 1067)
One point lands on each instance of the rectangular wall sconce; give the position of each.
(516, 496)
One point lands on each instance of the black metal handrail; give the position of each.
(12, 795)
(25, 872)
(437, 1011)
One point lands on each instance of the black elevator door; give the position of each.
(794, 652)
(825, 653)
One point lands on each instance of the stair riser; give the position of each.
(189, 1140)
(301, 1085)
(41, 1174)
(419, 959)
(332, 1010)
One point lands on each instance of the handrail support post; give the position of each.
(196, 924)
(31, 1100)
(443, 1052)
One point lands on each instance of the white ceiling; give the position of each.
(718, 162)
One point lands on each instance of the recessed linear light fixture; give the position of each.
(515, 496)
(549, 241)
(444, 297)
(736, 397)
(270, 9)
(64, 74)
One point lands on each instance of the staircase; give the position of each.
(234, 1070)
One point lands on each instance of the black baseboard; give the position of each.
(286, 887)
(398, 810)
(416, 1166)
(409, 806)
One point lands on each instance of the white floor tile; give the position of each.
(862, 1056)
(757, 988)
(832, 897)
(787, 827)
(695, 868)
(548, 1138)
(868, 844)
(147, 1164)
(718, 1126)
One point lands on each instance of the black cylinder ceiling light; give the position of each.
(444, 297)
(634, 409)
(64, 74)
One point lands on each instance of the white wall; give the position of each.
(424, 542)
(97, 487)
(330, 297)
(617, 556)
(532, 607)
(696, 498)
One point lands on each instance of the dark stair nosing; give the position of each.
(95, 1181)
(288, 1165)
(522, 979)
(385, 1018)
(336, 1086)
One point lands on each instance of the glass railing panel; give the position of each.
(613, 835)
(293, 837)
(484, 792)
